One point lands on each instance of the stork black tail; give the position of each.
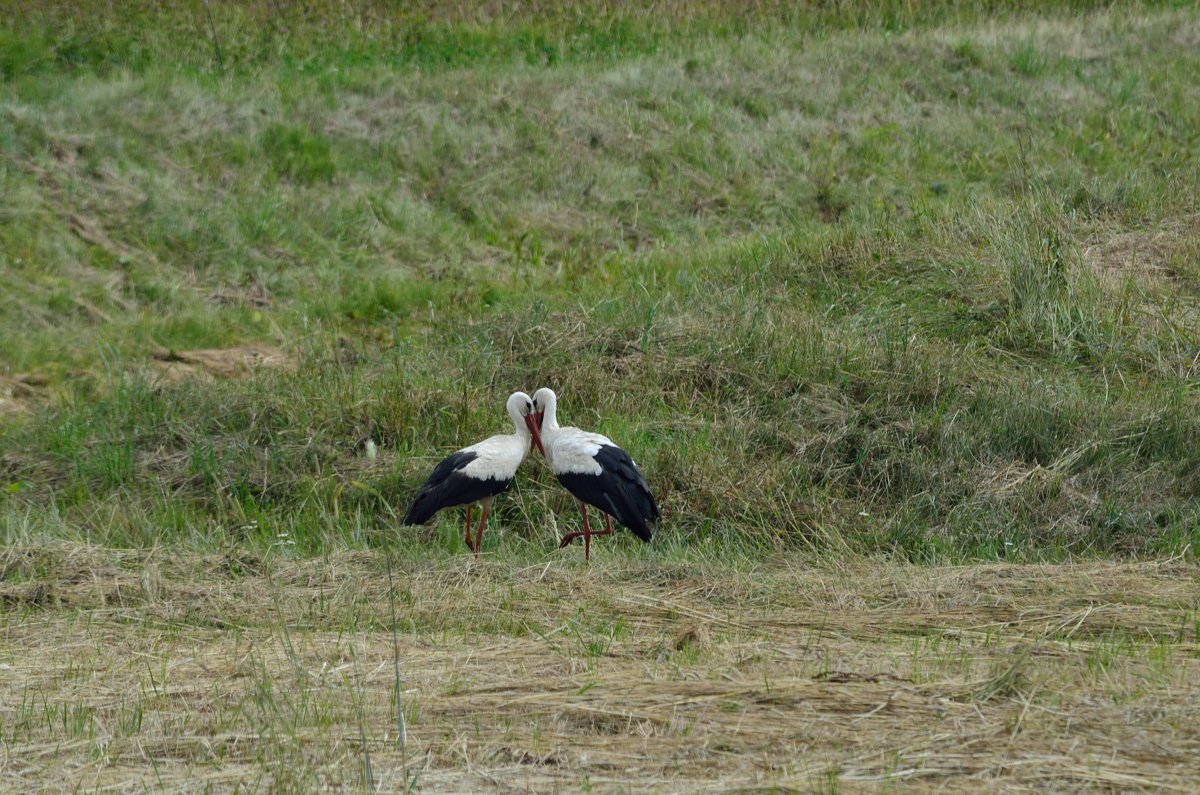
(423, 508)
(632, 505)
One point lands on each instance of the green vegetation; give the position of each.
(919, 280)
(870, 289)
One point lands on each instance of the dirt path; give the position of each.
(129, 671)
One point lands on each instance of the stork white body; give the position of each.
(596, 471)
(572, 451)
(477, 473)
(497, 457)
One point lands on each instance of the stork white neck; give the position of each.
(519, 402)
(547, 403)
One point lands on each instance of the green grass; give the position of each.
(918, 281)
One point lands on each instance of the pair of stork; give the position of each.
(591, 467)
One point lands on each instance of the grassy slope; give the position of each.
(932, 280)
(931, 270)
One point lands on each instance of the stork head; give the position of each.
(545, 402)
(520, 409)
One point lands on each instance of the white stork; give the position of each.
(596, 472)
(477, 473)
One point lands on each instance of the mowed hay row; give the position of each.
(128, 670)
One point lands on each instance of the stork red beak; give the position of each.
(534, 423)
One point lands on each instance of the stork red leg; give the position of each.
(468, 530)
(584, 533)
(487, 503)
(587, 532)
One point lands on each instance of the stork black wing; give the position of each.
(619, 490)
(447, 486)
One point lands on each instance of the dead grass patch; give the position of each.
(237, 362)
(253, 293)
(1155, 254)
(550, 676)
(19, 392)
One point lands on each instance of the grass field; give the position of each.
(897, 304)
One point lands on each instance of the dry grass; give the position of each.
(152, 669)
(237, 362)
(1164, 253)
(17, 391)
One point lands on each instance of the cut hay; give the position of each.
(158, 669)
